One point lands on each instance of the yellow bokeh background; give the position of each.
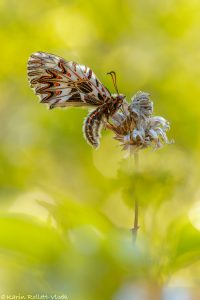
(65, 209)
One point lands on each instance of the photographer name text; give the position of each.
(33, 297)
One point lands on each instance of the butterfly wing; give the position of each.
(61, 83)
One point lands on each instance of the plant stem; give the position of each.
(136, 226)
(136, 159)
(135, 221)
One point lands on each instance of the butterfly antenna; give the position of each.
(113, 75)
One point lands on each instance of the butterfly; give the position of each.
(61, 83)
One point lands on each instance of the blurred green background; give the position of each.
(66, 209)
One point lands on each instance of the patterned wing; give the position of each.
(61, 83)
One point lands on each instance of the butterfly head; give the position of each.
(117, 101)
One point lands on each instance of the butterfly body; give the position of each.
(94, 120)
(61, 83)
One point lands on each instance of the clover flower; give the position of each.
(135, 127)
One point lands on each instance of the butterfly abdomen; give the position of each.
(92, 126)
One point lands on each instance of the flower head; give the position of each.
(141, 106)
(135, 127)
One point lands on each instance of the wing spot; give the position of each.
(85, 87)
(90, 74)
(97, 82)
(75, 97)
(100, 96)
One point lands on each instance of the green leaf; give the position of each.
(24, 236)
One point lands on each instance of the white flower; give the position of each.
(135, 127)
(141, 105)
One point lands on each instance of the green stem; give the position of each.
(136, 213)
